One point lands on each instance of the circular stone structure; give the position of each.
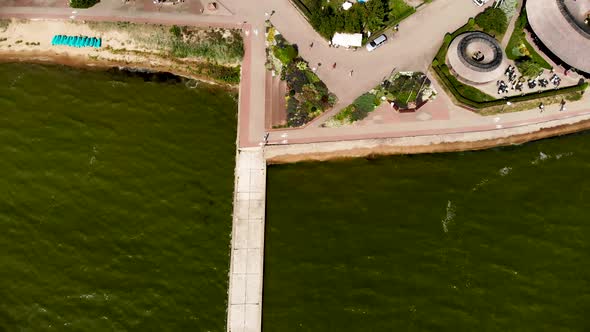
(562, 27)
(476, 57)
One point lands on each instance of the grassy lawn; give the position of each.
(464, 90)
(518, 47)
(398, 10)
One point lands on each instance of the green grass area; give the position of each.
(519, 48)
(398, 10)
(116, 201)
(466, 91)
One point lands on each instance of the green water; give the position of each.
(482, 241)
(115, 202)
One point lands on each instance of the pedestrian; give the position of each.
(351, 72)
(311, 45)
(334, 65)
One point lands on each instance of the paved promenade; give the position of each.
(247, 253)
(425, 142)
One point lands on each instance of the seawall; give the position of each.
(463, 141)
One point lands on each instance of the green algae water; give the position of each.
(482, 241)
(115, 201)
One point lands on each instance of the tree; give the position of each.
(353, 19)
(374, 15)
(326, 22)
(492, 20)
(529, 68)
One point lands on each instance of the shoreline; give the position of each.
(308, 152)
(371, 148)
(140, 46)
(84, 62)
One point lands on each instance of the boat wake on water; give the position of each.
(543, 157)
(449, 217)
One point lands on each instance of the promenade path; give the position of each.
(247, 253)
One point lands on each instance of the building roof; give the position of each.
(347, 39)
(560, 25)
(466, 46)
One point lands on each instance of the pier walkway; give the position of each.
(247, 246)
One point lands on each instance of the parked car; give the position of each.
(373, 44)
(480, 2)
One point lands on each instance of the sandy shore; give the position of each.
(30, 41)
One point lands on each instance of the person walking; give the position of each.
(334, 65)
(351, 72)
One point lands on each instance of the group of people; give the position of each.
(517, 84)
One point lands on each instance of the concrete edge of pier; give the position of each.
(244, 312)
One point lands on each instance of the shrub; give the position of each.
(363, 105)
(285, 54)
(175, 31)
(492, 20)
(83, 3)
(529, 68)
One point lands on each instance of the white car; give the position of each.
(480, 2)
(373, 44)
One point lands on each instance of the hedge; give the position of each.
(83, 3)
(496, 102)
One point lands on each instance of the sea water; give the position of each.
(492, 240)
(115, 201)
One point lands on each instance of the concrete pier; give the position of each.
(247, 245)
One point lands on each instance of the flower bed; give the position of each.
(405, 90)
(307, 95)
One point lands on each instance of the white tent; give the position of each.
(347, 39)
